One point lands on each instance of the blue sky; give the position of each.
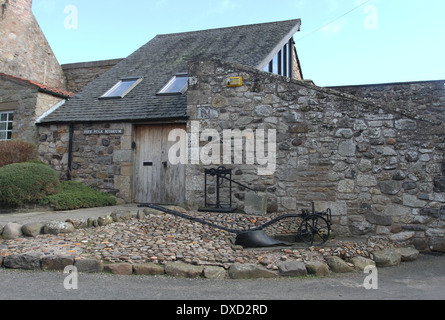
(342, 42)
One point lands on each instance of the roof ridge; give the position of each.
(41, 86)
(228, 28)
(162, 57)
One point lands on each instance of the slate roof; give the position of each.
(163, 57)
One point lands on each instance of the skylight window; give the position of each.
(122, 88)
(176, 85)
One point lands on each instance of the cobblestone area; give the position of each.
(160, 238)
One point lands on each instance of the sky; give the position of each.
(341, 42)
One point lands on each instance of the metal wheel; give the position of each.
(222, 175)
(314, 230)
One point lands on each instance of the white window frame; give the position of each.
(137, 80)
(6, 130)
(170, 82)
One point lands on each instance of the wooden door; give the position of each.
(156, 180)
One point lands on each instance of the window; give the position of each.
(282, 62)
(6, 120)
(122, 88)
(176, 85)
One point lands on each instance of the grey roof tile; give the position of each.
(160, 59)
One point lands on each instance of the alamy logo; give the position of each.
(71, 280)
(372, 280)
(371, 21)
(233, 147)
(71, 21)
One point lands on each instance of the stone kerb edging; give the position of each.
(290, 268)
(332, 264)
(14, 230)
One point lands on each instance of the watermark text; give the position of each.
(236, 146)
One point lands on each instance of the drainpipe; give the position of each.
(70, 151)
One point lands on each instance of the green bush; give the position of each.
(74, 195)
(26, 182)
(15, 151)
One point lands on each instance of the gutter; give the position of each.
(55, 94)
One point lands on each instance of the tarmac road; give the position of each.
(423, 279)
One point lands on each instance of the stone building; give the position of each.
(119, 123)
(146, 127)
(373, 154)
(31, 79)
(22, 103)
(24, 50)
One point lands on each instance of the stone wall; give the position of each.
(296, 72)
(78, 75)
(28, 104)
(44, 103)
(53, 147)
(24, 50)
(415, 97)
(377, 166)
(100, 160)
(22, 100)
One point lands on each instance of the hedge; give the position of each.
(27, 182)
(74, 195)
(15, 151)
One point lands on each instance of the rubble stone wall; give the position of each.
(102, 161)
(28, 105)
(24, 50)
(421, 96)
(380, 168)
(79, 75)
(22, 101)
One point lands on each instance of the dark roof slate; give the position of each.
(162, 58)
